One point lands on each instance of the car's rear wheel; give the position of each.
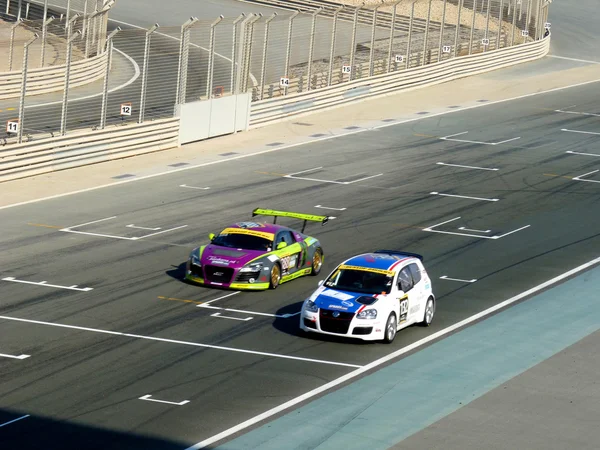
(391, 327)
(317, 262)
(275, 276)
(429, 312)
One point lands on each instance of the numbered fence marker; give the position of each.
(399, 58)
(284, 82)
(547, 25)
(12, 126)
(485, 42)
(346, 69)
(446, 49)
(524, 33)
(126, 109)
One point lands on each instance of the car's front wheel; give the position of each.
(391, 327)
(275, 276)
(429, 312)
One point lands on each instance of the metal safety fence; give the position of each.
(146, 73)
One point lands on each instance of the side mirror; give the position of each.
(321, 282)
(211, 236)
(281, 245)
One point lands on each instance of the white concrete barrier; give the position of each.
(85, 147)
(274, 110)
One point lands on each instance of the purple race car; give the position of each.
(257, 256)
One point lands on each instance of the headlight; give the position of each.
(367, 314)
(311, 306)
(195, 260)
(256, 267)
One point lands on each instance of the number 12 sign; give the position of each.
(126, 109)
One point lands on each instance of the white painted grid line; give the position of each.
(465, 167)
(577, 113)
(89, 223)
(243, 311)
(147, 398)
(573, 59)
(451, 138)
(229, 317)
(175, 341)
(466, 197)
(327, 207)
(142, 228)
(290, 175)
(14, 357)
(580, 177)
(580, 153)
(445, 277)
(431, 230)
(194, 187)
(580, 132)
(160, 232)
(222, 297)
(300, 144)
(409, 348)
(475, 231)
(88, 233)
(14, 420)
(363, 179)
(45, 283)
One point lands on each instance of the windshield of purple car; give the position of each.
(361, 281)
(244, 241)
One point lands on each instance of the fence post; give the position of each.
(67, 16)
(182, 66)
(289, 48)
(528, 18)
(264, 58)
(333, 36)
(149, 32)
(487, 25)
(241, 52)
(514, 24)
(392, 30)
(13, 28)
(109, 49)
(24, 86)
(410, 29)
(373, 30)
(234, 51)
(426, 33)
(457, 36)
(44, 36)
(540, 24)
(63, 117)
(19, 6)
(250, 39)
(311, 45)
(473, 25)
(500, 17)
(441, 43)
(353, 48)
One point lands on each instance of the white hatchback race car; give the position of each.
(371, 297)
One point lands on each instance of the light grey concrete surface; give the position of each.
(553, 406)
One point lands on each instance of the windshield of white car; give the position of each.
(243, 241)
(361, 281)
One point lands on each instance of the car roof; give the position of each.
(382, 261)
(261, 226)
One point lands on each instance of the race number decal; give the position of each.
(403, 309)
(285, 263)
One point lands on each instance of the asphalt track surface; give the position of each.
(82, 386)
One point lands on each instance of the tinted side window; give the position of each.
(416, 273)
(285, 236)
(405, 281)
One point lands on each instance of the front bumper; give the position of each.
(198, 278)
(364, 329)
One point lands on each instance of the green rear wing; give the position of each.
(305, 217)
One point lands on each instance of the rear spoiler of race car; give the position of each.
(294, 215)
(399, 253)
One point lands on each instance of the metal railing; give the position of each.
(148, 72)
